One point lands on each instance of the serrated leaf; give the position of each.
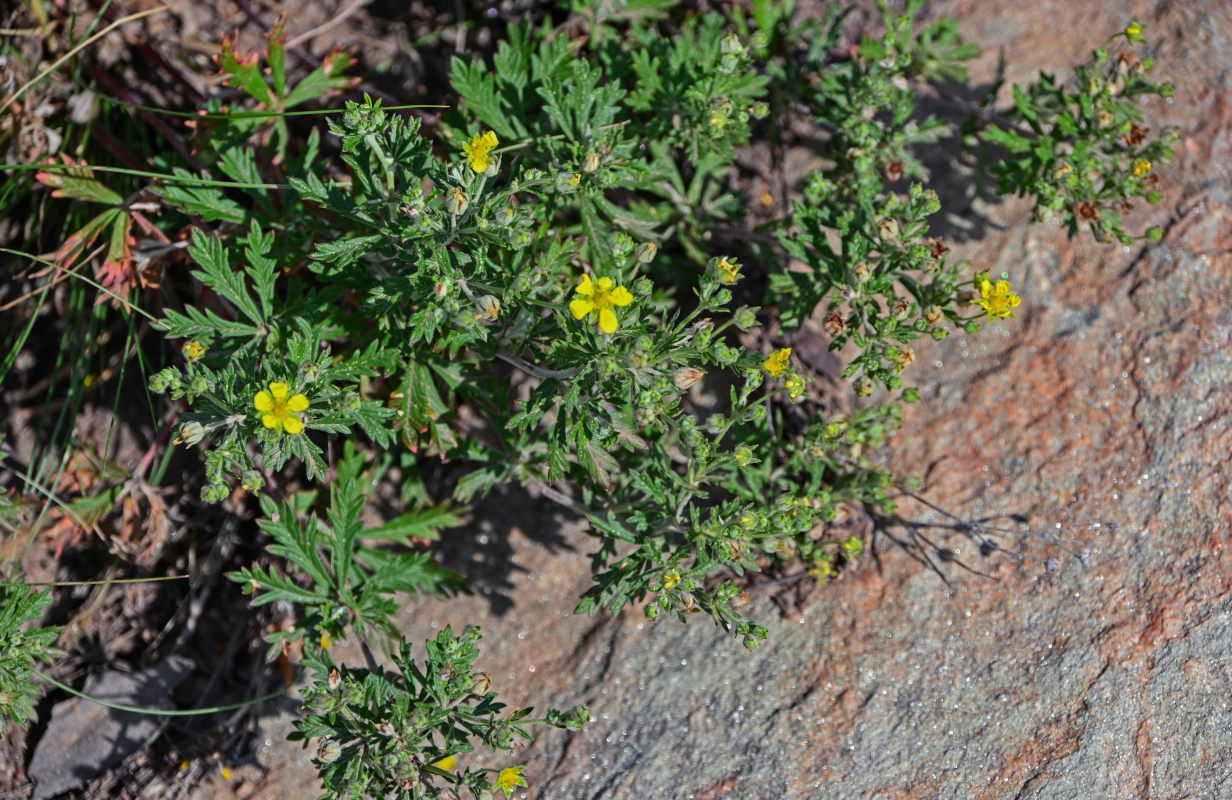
(422, 523)
(598, 462)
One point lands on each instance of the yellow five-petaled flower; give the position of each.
(599, 298)
(278, 407)
(997, 300)
(778, 362)
(1142, 167)
(509, 779)
(478, 151)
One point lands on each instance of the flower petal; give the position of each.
(269, 420)
(279, 391)
(608, 321)
(585, 287)
(580, 308)
(621, 296)
(297, 403)
(263, 401)
(293, 424)
(605, 284)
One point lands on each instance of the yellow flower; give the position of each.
(509, 779)
(853, 546)
(478, 151)
(447, 763)
(727, 271)
(795, 386)
(599, 298)
(194, 350)
(1133, 32)
(670, 579)
(997, 300)
(326, 642)
(278, 409)
(777, 363)
(1142, 167)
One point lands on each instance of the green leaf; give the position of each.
(208, 202)
(419, 524)
(217, 273)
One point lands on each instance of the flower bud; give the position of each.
(456, 201)
(590, 163)
(252, 481)
(900, 309)
(933, 315)
(863, 387)
(863, 271)
(194, 350)
(759, 110)
(686, 377)
(329, 751)
(191, 433)
(488, 308)
(163, 380)
(745, 318)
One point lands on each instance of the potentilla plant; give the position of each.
(539, 292)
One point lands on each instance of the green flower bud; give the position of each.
(863, 387)
(759, 110)
(163, 380)
(745, 318)
(488, 308)
(1155, 233)
(191, 434)
(456, 201)
(252, 481)
(329, 751)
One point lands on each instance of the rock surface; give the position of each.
(1101, 415)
